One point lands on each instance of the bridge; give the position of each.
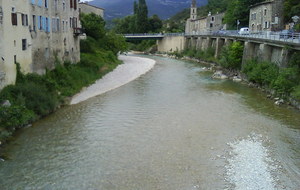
(293, 38)
(269, 46)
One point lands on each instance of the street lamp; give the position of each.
(295, 20)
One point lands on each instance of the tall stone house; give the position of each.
(210, 23)
(35, 33)
(266, 16)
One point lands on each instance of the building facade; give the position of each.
(36, 33)
(266, 16)
(210, 23)
(86, 8)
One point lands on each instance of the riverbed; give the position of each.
(172, 128)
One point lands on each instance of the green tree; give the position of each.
(291, 8)
(238, 10)
(232, 55)
(155, 24)
(93, 25)
(142, 23)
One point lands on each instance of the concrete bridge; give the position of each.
(268, 46)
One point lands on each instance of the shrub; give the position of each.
(231, 56)
(263, 73)
(287, 79)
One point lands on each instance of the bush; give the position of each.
(296, 93)
(287, 79)
(263, 73)
(231, 56)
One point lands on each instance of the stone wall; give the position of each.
(171, 44)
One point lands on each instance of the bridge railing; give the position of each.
(267, 35)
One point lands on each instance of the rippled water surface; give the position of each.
(170, 129)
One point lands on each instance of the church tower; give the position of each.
(194, 10)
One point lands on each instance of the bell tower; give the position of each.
(194, 10)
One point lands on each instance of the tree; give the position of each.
(142, 23)
(155, 24)
(238, 10)
(93, 25)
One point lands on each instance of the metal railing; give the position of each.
(265, 35)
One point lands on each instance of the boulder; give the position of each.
(219, 75)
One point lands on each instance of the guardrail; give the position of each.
(266, 35)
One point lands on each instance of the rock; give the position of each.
(269, 96)
(237, 79)
(219, 75)
(276, 98)
(6, 103)
(279, 102)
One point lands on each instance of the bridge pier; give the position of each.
(248, 52)
(219, 45)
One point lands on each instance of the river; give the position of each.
(172, 128)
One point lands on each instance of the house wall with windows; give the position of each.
(35, 33)
(209, 23)
(15, 40)
(53, 27)
(266, 16)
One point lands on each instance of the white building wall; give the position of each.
(86, 8)
(11, 39)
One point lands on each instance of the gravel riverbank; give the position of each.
(132, 68)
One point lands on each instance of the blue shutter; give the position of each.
(33, 2)
(44, 23)
(49, 26)
(40, 3)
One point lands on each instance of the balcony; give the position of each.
(77, 31)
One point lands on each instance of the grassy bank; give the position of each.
(34, 96)
(283, 82)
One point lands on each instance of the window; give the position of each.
(74, 22)
(266, 24)
(15, 59)
(24, 19)
(64, 6)
(71, 4)
(14, 19)
(212, 18)
(211, 25)
(70, 22)
(57, 22)
(24, 44)
(63, 26)
(40, 22)
(55, 5)
(265, 12)
(33, 22)
(75, 4)
(46, 3)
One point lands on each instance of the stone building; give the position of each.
(266, 16)
(86, 8)
(35, 34)
(207, 24)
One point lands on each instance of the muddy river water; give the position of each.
(172, 128)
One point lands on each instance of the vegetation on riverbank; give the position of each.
(283, 82)
(34, 96)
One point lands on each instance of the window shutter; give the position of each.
(33, 2)
(49, 25)
(71, 3)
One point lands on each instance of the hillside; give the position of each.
(163, 8)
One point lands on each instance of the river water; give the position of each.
(173, 128)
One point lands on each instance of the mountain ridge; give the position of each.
(163, 8)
